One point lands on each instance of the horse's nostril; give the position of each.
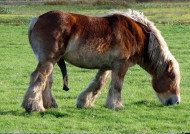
(169, 102)
(177, 102)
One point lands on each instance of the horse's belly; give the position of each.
(91, 56)
(88, 57)
(86, 60)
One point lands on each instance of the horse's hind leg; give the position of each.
(33, 97)
(48, 100)
(114, 95)
(87, 97)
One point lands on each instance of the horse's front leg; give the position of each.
(87, 97)
(114, 95)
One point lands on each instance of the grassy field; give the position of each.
(160, 13)
(142, 113)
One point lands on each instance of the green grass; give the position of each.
(160, 13)
(142, 113)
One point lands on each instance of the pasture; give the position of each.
(142, 113)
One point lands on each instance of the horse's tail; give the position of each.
(31, 25)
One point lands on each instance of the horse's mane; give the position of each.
(158, 52)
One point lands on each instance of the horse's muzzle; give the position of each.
(173, 100)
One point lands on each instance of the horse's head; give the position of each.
(167, 85)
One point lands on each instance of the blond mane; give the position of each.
(158, 51)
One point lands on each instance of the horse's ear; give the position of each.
(170, 70)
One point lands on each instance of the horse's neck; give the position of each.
(154, 59)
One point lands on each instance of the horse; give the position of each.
(110, 43)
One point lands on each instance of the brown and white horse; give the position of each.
(111, 43)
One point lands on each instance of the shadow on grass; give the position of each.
(146, 103)
(25, 114)
(54, 113)
(14, 113)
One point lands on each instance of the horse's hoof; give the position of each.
(29, 110)
(50, 103)
(39, 110)
(114, 106)
(84, 104)
(32, 107)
